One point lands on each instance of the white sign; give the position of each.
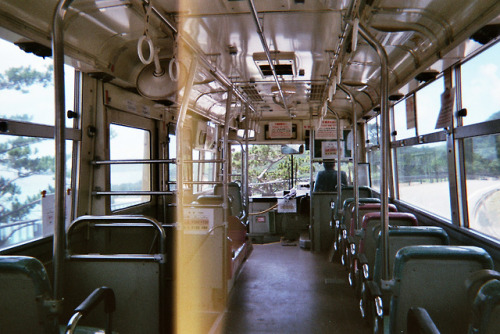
(327, 130)
(287, 205)
(446, 112)
(49, 213)
(410, 112)
(281, 130)
(329, 149)
(198, 220)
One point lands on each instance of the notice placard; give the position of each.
(287, 205)
(446, 112)
(327, 130)
(198, 220)
(280, 130)
(329, 150)
(49, 213)
(410, 112)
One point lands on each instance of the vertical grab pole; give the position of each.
(60, 145)
(384, 96)
(182, 312)
(225, 192)
(180, 138)
(311, 180)
(339, 172)
(245, 165)
(355, 152)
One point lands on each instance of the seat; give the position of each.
(342, 226)
(141, 277)
(398, 237)
(348, 192)
(364, 255)
(235, 200)
(483, 288)
(433, 278)
(26, 304)
(354, 232)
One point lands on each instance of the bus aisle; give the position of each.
(286, 289)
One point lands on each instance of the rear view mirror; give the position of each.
(292, 149)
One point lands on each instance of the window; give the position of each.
(482, 163)
(269, 170)
(428, 100)
(172, 167)
(373, 129)
(480, 86)
(423, 177)
(129, 143)
(27, 164)
(401, 112)
(24, 75)
(203, 172)
(374, 161)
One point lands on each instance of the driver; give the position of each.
(326, 180)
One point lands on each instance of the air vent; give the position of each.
(316, 92)
(252, 93)
(284, 63)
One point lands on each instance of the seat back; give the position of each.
(141, 280)
(433, 277)
(486, 309)
(371, 226)
(235, 201)
(364, 209)
(348, 192)
(403, 236)
(24, 286)
(483, 290)
(348, 206)
(322, 233)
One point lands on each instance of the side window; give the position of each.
(128, 143)
(428, 100)
(482, 165)
(423, 177)
(27, 150)
(480, 86)
(172, 167)
(373, 151)
(404, 118)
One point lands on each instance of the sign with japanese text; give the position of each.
(329, 150)
(280, 130)
(198, 220)
(327, 130)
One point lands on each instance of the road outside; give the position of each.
(483, 201)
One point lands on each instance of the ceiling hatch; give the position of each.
(284, 63)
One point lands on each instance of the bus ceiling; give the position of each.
(281, 59)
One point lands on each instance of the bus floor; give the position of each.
(286, 289)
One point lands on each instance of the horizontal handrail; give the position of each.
(123, 219)
(133, 161)
(131, 193)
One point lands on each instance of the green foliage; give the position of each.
(269, 169)
(18, 159)
(20, 78)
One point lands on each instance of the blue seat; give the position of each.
(362, 255)
(486, 305)
(398, 237)
(342, 226)
(433, 278)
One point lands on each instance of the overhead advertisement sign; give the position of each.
(329, 150)
(327, 130)
(280, 130)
